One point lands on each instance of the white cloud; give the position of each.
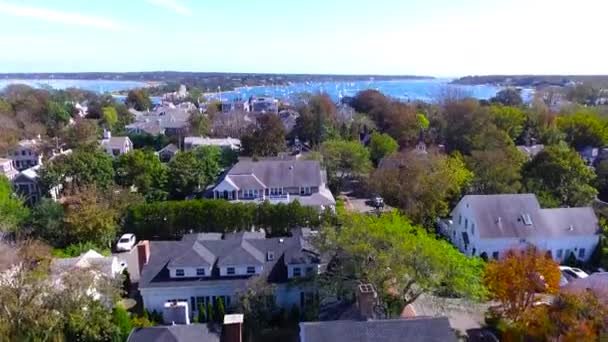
(62, 17)
(172, 5)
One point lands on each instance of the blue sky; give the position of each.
(430, 37)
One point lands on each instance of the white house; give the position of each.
(490, 225)
(191, 143)
(28, 153)
(201, 268)
(116, 146)
(7, 169)
(277, 181)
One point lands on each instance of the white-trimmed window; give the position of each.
(276, 191)
(230, 270)
(297, 272)
(200, 271)
(305, 190)
(250, 269)
(179, 272)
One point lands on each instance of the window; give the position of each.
(23, 152)
(116, 152)
(270, 256)
(297, 272)
(581, 253)
(522, 240)
(200, 271)
(230, 270)
(472, 228)
(250, 270)
(305, 190)
(495, 255)
(309, 270)
(560, 253)
(466, 224)
(179, 272)
(459, 219)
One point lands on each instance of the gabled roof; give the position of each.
(520, 216)
(172, 148)
(175, 333)
(235, 249)
(393, 330)
(281, 173)
(115, 142)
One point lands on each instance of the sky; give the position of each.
(394, 37)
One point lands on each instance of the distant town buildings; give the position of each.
(264, 104)
(191, 143)
(166, 119)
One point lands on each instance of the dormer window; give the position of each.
(179, 272)
(251, 270)
(297, 272)
(270, 256)
(230, 270)
(200, 271)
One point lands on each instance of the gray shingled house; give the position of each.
(277, 181)
(201, 268)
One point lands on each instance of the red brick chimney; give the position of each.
(143, 254)
(233, 328)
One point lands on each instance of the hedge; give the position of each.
(172, 219)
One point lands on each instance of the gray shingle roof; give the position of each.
(244, 248)
(175, 333)
(506, 215)
(281, 173)
(394, 330)
(115, 142)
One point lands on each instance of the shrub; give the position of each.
(77, 249)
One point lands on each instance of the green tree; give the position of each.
(120, 318)
(185, 175)
(58, 116)
(81, 168)
(317, 118)
(267, 139)
(344, 159)
(143, 170)
(12, 209)
(401, 260)
(381, 145)
(508, 97)
(47, 222)
(584, 128)
(422, 186)
(202, 317)
(200, 124)
(139, 99)
(559, 177)
(89, 217)
(220, 310)
(509, 119)
(82, 135)
(210, 159)
(497, 171)
(109, 117)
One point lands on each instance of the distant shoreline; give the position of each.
(533, 81)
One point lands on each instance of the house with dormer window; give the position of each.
(202, 268)
(490, 225)
(276, 181)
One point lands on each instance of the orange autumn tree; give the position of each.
(515, 279)
(578, 316)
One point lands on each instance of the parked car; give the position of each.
(378, 202)
(125, 243)
(571, 273)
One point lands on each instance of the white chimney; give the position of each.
(107, 134)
